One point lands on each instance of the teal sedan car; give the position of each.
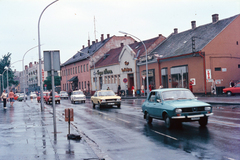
(174, 106)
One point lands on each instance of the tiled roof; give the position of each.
(110, 58)
(138, 47)
(181, 43)
(89, 50)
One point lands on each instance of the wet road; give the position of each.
(124, 134)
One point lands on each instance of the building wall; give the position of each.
(224, 52)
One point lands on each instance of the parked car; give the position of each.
(44, 95)
(232, 90)
(175, 105)
(105, 98)
(48, 98)
(33, 95)
(21, 97)
(77, 96)
(63, 94)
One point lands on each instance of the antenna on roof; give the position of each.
(94, 29)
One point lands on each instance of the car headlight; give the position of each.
(178, 110)
(119, 99)
(207, 108)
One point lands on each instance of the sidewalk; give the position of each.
(27, 133)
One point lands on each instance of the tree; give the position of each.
(5, 62)
(48, 82)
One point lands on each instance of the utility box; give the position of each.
(68, 114)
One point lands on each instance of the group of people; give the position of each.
(5, 97)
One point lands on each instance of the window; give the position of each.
(217, 68)
(75, 70)
(84, 67)
(81, 68)
(239, 66)
(85, 84)
(179, 77)
(152, 97)
(78, 69)
(82, 84)
(87, 67)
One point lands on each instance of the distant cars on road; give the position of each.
(174, 106)
(105, 98)
(33, 95)
(232, 90)
(77, 96)
(48, 98)
(63, 94)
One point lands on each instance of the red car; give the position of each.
(44, 95)
(232, 90)
(48, 98)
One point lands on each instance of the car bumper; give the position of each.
(79, 99)
(110, 103)
(193, 117)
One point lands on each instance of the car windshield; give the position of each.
(78, 92)
(106, 93)
(177, 94)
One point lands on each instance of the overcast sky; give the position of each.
(68, 24)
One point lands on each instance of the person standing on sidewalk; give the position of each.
(11, 96)
(4, 98)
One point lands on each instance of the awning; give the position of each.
(75, 78)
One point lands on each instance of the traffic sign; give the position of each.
(143, 77)
(125, 80)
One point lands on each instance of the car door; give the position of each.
(152, 104)
(94, 98)
(236, 89)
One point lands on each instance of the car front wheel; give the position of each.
(203, 121)
(229, 93)
(168, 122)
(148, 118)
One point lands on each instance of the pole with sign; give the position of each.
(125, 80)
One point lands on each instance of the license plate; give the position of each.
(195, 118)
(110, 103)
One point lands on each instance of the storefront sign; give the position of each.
(208, 74)
(104, 72)
(150, 73)
(126, 69)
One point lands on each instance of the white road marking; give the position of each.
(165, 135)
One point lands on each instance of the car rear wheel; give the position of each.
(119, 105)
(229, 93)
(168, 122)
(148, 118)
(93, 104)
(203, 121)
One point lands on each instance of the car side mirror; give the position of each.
(159, 100)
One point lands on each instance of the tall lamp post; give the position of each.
(24, 72)
(2, 80)
(146, 57)
(40, 57)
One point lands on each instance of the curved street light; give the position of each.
(146, 57)
(39, 54)
(24, 71)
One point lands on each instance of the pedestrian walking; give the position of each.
(4, 98)
(191, 86)
(133, 91)
(232, 83)
(119, 90)
(11, 97)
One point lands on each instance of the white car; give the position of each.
(33, 95)
(63, 94)
(78, 96)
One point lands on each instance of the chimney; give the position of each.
(93, 42)
(175, 31)
(122, 44)
(88, 43)
(96, 40)
(159, 35)
(108, 35)
(193, 24)
(35, 62)
(26, 67)
(214, 18)
(102, 37)
(82, 46)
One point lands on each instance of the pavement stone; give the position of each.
(26, 132)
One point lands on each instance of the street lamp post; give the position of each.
(39, 54)
(2, 79)
(24, 72)
(146, 57)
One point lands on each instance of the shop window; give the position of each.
(239, 66)
(151, 78)
(217, 68)
(179, 77)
